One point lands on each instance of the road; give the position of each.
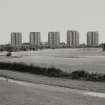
(14, 92)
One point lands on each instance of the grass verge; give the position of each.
(52, 72)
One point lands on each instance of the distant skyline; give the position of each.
(51, 15)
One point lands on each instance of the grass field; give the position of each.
(88, 59)
(23, 93)
(91, 60)
(52, 81)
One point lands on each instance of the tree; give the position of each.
(103, 47)
(9, 50)
(9, 54)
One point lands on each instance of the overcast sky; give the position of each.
(51, 15)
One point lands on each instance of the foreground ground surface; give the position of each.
(67, 83)
(20, 93)
(88, 59)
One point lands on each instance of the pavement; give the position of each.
(13, 92)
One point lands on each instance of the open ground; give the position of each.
(22, 93)
(49, 90)
(88, 59)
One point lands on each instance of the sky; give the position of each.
(51, 15)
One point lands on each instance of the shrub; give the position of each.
(31, 69)
(52, 72)
(79, 74)
(9, 54)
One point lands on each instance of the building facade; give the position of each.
(54, 39)
(16, 39)
(35, 39)
(92, 39)
(72, 39)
